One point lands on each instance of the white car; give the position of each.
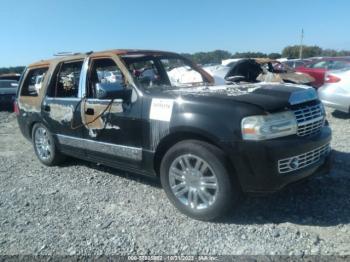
(184, 75)
(218, 72)
(113, 76)
(335, 92)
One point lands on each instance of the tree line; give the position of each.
(11, 70)
(290, 52)
(216, 56)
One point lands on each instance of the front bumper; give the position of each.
(257, 162)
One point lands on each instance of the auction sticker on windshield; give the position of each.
(161, 109)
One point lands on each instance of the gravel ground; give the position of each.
(83, 209)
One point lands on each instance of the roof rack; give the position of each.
(71, 53)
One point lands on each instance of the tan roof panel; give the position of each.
(96, 54)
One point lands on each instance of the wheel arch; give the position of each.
(30, 128)
(34, 122)
(170, 140)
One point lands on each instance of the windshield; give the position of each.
(152, 71)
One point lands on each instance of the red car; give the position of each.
(319, 67)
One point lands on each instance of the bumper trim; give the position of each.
(297, 162)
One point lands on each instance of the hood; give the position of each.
(268, 96)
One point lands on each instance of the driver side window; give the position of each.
(103, 71)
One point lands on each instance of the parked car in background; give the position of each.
(257, 70)
(335, 92)
(10, 76)
(319, 67)
(294, 63)
(8, 90)
(218, 72)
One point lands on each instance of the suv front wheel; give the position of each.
(44, 146)
(196, 179)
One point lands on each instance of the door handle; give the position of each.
(47, 108)
(90, 111)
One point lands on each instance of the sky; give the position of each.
(32, 30)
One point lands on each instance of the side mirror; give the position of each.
(112, 91)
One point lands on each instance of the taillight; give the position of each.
(15, 108)
(331, 79)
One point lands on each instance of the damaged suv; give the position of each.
(158, 114)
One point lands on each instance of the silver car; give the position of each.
(335, 92)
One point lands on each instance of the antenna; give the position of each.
(301, 44)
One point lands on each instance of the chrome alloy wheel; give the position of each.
(43, 143)
(193, 181)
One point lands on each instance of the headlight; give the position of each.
(269, 126)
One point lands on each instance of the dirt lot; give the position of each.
(82, 208)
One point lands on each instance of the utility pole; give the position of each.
(301, 44)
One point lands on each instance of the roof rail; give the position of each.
(71, 53)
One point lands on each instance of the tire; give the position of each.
(44, 146)
(207, 172)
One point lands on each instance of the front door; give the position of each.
(113, 128)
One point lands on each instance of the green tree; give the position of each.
(274, 55)
(10, 70)
(329, 52)
(308, 51)
(248, 55)
(209, 57)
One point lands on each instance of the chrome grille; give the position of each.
(303, 160)
(310, 119)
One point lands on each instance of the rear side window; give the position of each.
(66, 82)
(34, 82)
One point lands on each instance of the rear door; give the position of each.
(60, 107)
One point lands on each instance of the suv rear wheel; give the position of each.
(196, 180)
(44, 146)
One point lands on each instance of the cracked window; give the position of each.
(104, 71)
(153, 71)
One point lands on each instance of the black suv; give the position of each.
(158, 114)
(8, 90)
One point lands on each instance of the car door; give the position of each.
(60, 108)
(113, 128)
